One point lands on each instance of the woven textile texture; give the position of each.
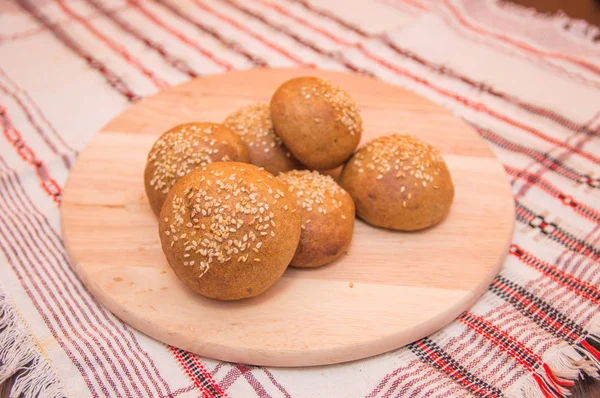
(529, 85)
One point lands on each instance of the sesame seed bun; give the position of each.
(229, 230)
(317, 121)
(327, 213)
(184, 148)
(254, 126)
(399, 182)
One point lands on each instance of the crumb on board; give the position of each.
(351, 284)
(163, 271)
(117, 279)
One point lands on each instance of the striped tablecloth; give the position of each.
(530, 85)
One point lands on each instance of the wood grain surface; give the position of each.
(391, 289)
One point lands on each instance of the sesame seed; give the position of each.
(313, 190)
(181, 150)
(218, 223)
(254, 126)
(401, 155)
(345, 108)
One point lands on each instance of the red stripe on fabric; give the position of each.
(201, 369)
(33, 31)
(58, 255)
(416, 4)
(452, 372)
(576, 285)
(536, 310)
(36, 125)
(281, 10)
(329, 15)
(254, 35)
(545, 390)
(580, 208)
(183, 38)
(66, 40)
(172, 60)
(575, 245)
(48, 184)
(207, 375)
(231, 45)
(519, 44)
(581, 259)
(117, 48)
(38, 129)
(562, 383)
(591, 349)
(33, 104)
(334, 56)
(190, 374)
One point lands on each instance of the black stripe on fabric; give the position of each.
(581, 287)
(543, 158)
(556, 316)
(116, 82)
(553, 231)
(458, 371)
(198, 373)
(498, 336)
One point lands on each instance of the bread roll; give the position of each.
(317, 121)
(327, 213)
(399, 182)
(184, 148)
(254, 126)
(229, 230)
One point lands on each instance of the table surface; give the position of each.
(588, 10)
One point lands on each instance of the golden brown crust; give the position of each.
(399, 182)
(184, 148)
(229, 230)
(327, 213)
(318, 122)
(254, 126)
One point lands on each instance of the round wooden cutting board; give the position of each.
(389, 290)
